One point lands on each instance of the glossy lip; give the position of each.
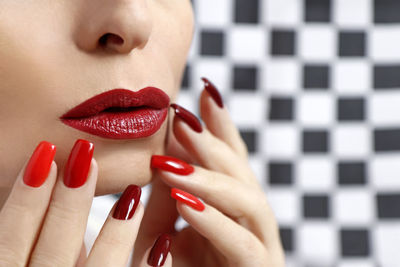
(120, 113)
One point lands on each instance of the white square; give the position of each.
(247, 109)
(186, 100)
(258, 167)
(317, 243)
(385, 43)
(282, 76)
(356, 263)
(280, 141)
(283, 12)
(285, 205)
(351, 141)
(213, 13)
(317, 43)
(385, 170)
(353, 207)
(316, 109)
(216, 70)
(315, 173)
(351, 77)
(384, 109)
(247, 44)
(386, 244)
(352, 13)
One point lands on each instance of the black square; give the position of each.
(250, 138)
(212, 43)
(281, 108)
(318, 11)
(352, 44)
(186, 77)
(280, 173)
(283, 43)
(386, 140)
(245, 78)
(316, 76)
(386, 76)
(351, 173)
(388, 206)
(355, 242)
(351, 109)
(287, 238)
(246, 11)
(386, 11)
(315, 141)
(316, 207)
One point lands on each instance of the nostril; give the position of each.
(111, 39)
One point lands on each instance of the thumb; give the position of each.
(159, 217)
(158, 254)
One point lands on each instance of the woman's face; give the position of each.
(54, 56)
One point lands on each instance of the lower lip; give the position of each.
(138, 123)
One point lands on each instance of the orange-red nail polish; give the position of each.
(187, 199)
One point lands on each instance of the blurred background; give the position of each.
(314, 86)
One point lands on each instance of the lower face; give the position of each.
(46, 70)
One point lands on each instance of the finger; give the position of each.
(116, 239)
(61, 237)
(208, 150)
(241, 202)
(216, 116)
(25, 208)
(236, 243)
(158, 254)
(160, 217)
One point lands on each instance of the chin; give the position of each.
(128, 162)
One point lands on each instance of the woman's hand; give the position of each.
(235, 226)
(44, 218)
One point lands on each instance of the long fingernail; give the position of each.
(213, 91)
(38, 167)
(127, 203)
(159, 251)
(188, 117)
(171, 164)
(78, 164)
(187, 199)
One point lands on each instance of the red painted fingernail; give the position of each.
(38, 167)
(213, 91)
(171, 164)
(127, 203)
(78, 164)
(188, 117)
(187, 198)
(159, 251)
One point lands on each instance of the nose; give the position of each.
(113, 26)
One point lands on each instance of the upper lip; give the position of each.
(147, 97)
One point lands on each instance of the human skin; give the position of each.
(52, 61)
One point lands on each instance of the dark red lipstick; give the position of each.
(120, 113)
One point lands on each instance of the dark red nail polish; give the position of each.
(127, 203)
(188, 117)
(38, 167)
(187, 198)
(171, 164)
(78, 164)
(213, 91)
(159, 251)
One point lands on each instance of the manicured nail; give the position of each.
(171, 164)
(38, 167)
(78, 164)
(127, 203)
(187, 199)
(213, 91)
(188, 117)
(159, 251)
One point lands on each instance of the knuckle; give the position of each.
(60, 212)
(113, 240)
(47, 258)
(9, 257)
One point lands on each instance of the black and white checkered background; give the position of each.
(314, 87)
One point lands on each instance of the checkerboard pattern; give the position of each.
(314, 86)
